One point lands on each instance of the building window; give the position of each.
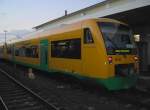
(70, 48)
(88, 36)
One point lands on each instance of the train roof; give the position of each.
(60, 29)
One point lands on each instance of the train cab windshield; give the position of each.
(118, 38)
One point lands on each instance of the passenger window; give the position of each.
(88, 36)
(31, 51)
(69, 48)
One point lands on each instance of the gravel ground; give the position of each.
(144, 82)
(67, 92)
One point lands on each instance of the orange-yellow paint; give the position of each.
(94, 59)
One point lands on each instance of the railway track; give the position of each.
(2, 104)
(15, 96)
(137, 98)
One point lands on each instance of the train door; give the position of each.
(44, 53)
(88, 51)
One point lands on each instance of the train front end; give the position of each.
(122, 59)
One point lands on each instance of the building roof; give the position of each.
(71, 14)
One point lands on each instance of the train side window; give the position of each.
(31, 51)
(69, 48)
(88, 36)
(9, 49)
(2, 49)
(16, 52)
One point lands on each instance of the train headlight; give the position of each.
(110, 59)
(136, 58)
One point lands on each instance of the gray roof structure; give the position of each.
(71, 14)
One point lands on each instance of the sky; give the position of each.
(22, 15)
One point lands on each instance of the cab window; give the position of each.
(88, 36)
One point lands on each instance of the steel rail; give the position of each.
(49, 105)
(3, 105)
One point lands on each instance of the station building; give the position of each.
(136, 13)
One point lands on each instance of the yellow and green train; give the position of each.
(99, 49)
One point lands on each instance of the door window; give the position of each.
(88, 36)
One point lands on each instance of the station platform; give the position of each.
(144, 80)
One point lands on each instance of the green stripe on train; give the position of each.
(112, 83)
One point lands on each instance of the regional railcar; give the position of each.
(99, 49)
